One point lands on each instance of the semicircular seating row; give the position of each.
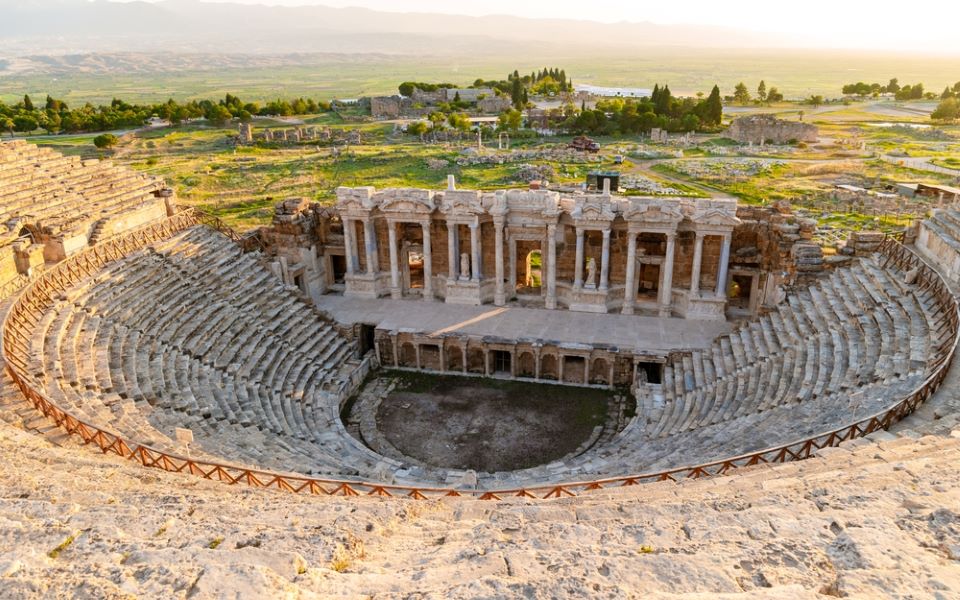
(43, 186)
(192, 333)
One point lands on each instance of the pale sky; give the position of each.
(921, 25)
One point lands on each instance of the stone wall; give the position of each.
(760, 129)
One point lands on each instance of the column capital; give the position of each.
(606, 232)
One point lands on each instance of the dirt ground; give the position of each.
(488, 425)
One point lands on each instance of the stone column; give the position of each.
(605, 261)
(551, 300)
(697, 259)
(630, 294)
(349, 246)
(499, 296)
(578, 269)
(722, 268)
(453, 252)
(427, 263)
(475, 251)
(666, 276)
(370, 245)
(395, 291)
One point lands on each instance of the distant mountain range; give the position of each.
(77, 26)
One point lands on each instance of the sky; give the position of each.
(877, 24)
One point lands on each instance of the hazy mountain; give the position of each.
(56, 26)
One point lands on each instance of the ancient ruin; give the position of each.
(766, 129)
(727, 326)
(720, 335)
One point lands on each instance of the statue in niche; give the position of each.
(591, 273)
(464, 266)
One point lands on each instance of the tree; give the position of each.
(947, 93)
(815, 101)
(893, 87)
(105, 140)
(437, 119)
(27, 103)
(510, 119)
(947, 110)
(24, 123)
(712, 112)
(516, 92)
(418, 128)
(8, 125)
(460, 122)
(406, 88)
(762, 91)
(218, 115)
(741, 94)
(774, 95)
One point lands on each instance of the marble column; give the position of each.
(666, 277)
(475, 251)
(630, 293)
(578, 269)
(695, 271)
(453, 252)
(722, 268)
(551, 300)
(349, 246)
(427, 263)
(605, 261)
(395, 291)
(499, 296)
(370, 245)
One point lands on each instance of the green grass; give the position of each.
(796, 73)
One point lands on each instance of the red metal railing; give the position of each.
(27, 310)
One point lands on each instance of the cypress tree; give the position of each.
(713, 111)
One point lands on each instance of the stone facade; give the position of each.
(586, 252)
(386, 107)
(493, 104)
(760, 129)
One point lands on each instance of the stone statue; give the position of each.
(591, 273)
(464, 266)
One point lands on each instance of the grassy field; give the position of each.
(242, 184)
(797, 74)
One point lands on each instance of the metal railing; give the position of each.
(26, 312)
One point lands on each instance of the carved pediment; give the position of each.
(354, 200)
(715, 216)
(461, 202)
(656, 211)
(406, 201)
(592, 210)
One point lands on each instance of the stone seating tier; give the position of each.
(192, 333)
(45, 188)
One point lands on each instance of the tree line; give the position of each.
(900, 92)
(55, 116)
(549, 81)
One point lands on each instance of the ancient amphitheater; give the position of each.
(178, 397)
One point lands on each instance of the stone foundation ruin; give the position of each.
(766, 129)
